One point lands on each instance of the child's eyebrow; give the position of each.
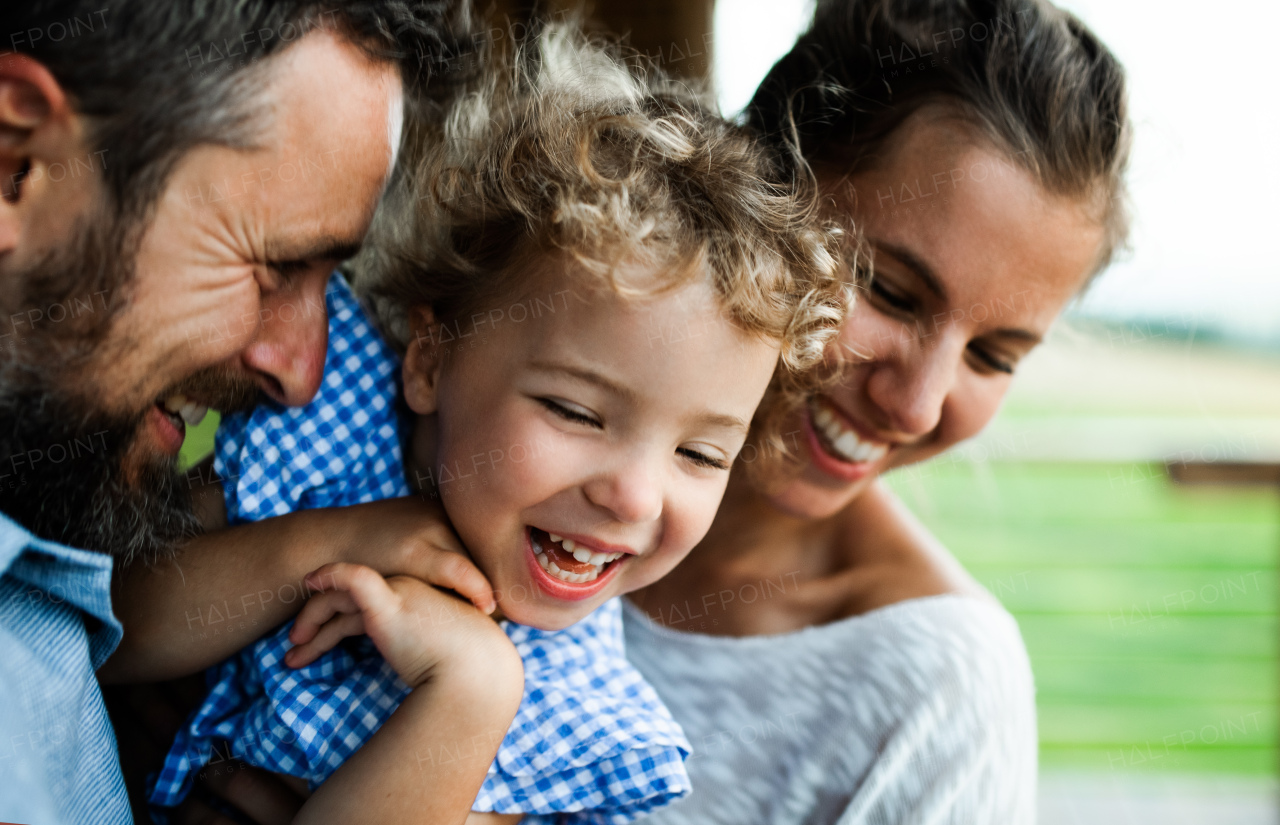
(587, 376)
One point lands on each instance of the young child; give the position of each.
(593, 278)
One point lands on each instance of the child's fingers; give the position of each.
(368, 590)
(325, 639)
(454, 571)
(318, 610)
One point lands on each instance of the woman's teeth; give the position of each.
(843, 440)
(189, 411)
(581, 554)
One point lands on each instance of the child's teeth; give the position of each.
(847, 443)
(175, 402)
(554, 537)
(597, 560)
(568, 545)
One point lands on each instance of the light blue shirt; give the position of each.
(58, 759)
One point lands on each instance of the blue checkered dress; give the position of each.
(590, 743)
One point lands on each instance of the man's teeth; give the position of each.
(843, 440)
(597, 560)
(191, 412)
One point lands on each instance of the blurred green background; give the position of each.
(1149, 609)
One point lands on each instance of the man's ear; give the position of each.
(422, 361)
(38, 129)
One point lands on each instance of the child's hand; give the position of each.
(413, 625)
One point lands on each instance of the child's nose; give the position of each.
(631, 495)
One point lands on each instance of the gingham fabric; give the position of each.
(343, 448)
(591, 742)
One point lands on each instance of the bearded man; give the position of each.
(178, 181)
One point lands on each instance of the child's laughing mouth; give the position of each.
(571, 569)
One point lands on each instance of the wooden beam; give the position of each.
(1224, 473)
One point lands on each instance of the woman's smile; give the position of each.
(840, 447)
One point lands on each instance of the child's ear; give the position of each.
(422, 361)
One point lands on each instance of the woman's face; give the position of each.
(973, 261)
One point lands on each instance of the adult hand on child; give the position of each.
(397, 613)
(410, 537)
(165, 607)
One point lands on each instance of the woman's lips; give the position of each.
(542, 554)
(836, 447)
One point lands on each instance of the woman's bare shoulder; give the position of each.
(891, 557)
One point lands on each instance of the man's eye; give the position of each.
(289, 270)
(990, 363)
(569, 413)
(894, 299)
(702, 459)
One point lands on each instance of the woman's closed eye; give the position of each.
(571, 412)
(985, 361)
(892, 298)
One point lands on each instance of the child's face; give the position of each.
(584, 433)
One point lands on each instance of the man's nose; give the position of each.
(289, 350)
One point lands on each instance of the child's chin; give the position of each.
(546, 616)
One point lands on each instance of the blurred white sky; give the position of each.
(1204, 178)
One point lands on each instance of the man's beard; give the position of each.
(70, 471)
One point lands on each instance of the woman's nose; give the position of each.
(911, 388)
(632, 494)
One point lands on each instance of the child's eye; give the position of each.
(702, 459)
(570, 412)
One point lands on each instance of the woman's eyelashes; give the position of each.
(901, 304)
(570, 412)
(988, 362)
(890, 297)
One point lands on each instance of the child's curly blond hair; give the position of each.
(564, 147)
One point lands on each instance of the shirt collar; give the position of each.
(77, 577)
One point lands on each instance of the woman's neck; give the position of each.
(751, 574)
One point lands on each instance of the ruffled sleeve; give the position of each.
(591, 738)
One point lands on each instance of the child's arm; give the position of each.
(226, 588)
(467, 680)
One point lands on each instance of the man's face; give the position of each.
(232, 271)
(223, 299)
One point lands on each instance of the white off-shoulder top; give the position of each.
(919, 712)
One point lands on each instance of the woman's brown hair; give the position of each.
(1031, 77)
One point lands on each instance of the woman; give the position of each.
(830, 662)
